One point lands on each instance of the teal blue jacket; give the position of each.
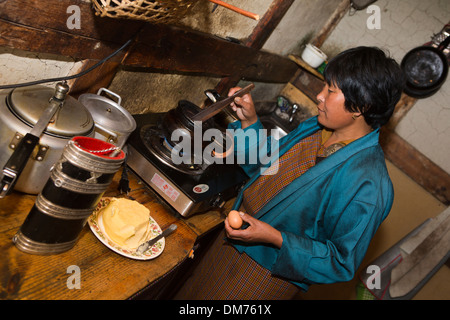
(327, 216)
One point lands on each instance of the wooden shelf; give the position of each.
(306, 66)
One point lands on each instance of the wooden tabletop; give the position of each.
(103, 273)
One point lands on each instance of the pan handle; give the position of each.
(444, 44)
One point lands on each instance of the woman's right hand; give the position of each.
(244, 108)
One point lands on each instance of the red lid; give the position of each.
(99, 147)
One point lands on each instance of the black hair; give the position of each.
(372, 82)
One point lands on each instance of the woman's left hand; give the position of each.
(257, 231)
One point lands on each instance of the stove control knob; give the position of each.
(217, 201)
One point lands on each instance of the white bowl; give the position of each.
(313, 56)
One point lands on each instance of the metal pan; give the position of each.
(425, 69)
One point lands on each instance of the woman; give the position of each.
(312, 220)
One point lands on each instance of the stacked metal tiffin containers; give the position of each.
(77, 182)
(79, 179)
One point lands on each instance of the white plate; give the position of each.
(96, 224)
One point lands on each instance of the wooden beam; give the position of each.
(101, 77)
(161, 47)
(332, 22)
(417, 166)
(258, 37)
(401, 109)
(268, 23)
(51, 41)
(43, 28)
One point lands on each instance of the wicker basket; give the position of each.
(168, 11)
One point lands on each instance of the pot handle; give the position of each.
(16, 163)
(18, 160)
(119, 99)
(113, 137)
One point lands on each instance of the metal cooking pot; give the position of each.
(20, 110)
(187, 119)
(113, 123)
(179, 119)
(425, 69)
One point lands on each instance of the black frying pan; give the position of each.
(425, 69)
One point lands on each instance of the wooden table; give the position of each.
(104, 274)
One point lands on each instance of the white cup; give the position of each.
(313, 56)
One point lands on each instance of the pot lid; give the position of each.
(108, 113)
(72, 119)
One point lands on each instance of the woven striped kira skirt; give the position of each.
(224, 273)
